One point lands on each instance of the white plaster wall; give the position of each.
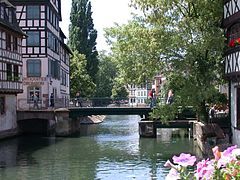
(8, 120)
(236, 133)
(236, 137)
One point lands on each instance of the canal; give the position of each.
(107, 151)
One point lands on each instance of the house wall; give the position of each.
(235, 132)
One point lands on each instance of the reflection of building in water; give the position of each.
(10, 68)
(8, 154)
(168, 134)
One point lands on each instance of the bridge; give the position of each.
(65, 117)
(87, 111)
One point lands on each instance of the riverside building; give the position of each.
(44, 53)
(231, 25)
(10, 68)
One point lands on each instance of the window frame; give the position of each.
(36, 72)
(33, 12)
(31, 90)
(33, 38)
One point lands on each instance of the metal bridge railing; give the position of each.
(45, 103)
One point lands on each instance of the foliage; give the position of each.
(134, 49)
(225, 165)
(105, 76)
(164, 112)
(181, 39)
(119, 91)
(80, 81)
(82, 35)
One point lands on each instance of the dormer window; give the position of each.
(33, 12)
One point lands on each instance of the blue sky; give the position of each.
(105, 13)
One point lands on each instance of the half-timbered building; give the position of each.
(231, 25)
(45, 56)
(10, 68)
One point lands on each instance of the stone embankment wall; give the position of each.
(66, 126)
(208, 136)
(8, 119)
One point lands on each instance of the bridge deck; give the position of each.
(86, 111)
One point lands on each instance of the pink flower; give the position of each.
(168, 164)
(226, 157)
(205, 169)
(216, 153)
(184, 160)
(228, 151)
(236, 152)
(173, 175)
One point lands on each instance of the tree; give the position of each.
(119, 91)
(181, 39)
(105, 76)
(82, 35)
(80, 81)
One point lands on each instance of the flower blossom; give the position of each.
(232, 43)
(226, 157)
(216, 153)
(173, 175)
(205, 169)
(184, 160)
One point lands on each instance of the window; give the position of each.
(15, 73)
(2, 105)
(8, 41)
(33, 38)
(10, 16)
(33, 12)
(32, 91)
(238, 107)
(63, 78)
(2, 12)
(9, 72)
(54, 69)
(33, 68)
(15, 43)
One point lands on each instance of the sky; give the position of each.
(105, 14)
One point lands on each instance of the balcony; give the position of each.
(232, 62)
(11, 87)
(231, 12)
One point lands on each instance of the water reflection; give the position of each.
(111, 150)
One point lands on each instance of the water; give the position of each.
(108, 151)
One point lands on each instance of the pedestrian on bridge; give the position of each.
(152, 98)
(77, 100)
(52, 100)
(35, 101)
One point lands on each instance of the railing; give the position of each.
(47, 103)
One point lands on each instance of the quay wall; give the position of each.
(8, 118)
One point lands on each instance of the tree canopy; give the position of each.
(80, 81)
(105, 76)
(181, 39)
(82, 35)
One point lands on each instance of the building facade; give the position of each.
(44, 53)
(10, 68)
(231, 25)
(137, 95)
